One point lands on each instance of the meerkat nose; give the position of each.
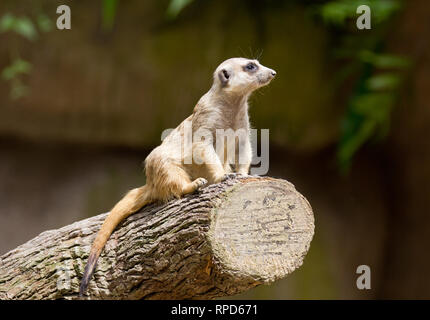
(273, 73)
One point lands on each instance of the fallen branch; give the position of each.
(223, 240)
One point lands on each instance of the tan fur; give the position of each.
(224, 106)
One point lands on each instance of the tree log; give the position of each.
(219, 241)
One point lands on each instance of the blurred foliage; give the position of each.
(176, 6)
(338, 11)
(26, 28)
(109, 8)
(23, 26)
(12, 72)
(44, 23)
(378, 74)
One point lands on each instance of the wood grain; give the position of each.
(223, 240)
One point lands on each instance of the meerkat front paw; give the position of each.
(200, 183)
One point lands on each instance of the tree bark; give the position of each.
(219, 241)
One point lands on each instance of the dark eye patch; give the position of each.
(250, 67)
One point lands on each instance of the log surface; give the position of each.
(220, 241)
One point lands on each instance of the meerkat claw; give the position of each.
(201, 183)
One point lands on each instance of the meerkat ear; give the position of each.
(224, 76)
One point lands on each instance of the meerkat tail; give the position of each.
(132, 202)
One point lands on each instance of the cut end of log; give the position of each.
(261, 230)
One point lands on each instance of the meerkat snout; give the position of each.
(266, 76)
(272, 74)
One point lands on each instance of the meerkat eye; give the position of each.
(251, 66)
(226, 75)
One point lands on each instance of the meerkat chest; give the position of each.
(231, 132)
(234, 121)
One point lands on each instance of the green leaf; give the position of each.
(384, 60)
(368, 117)
(176, 6)
(25, 27)
(18, 66)
(7, 22)
(374, 106)
(44, 23)
(108, 14)
(385, 81)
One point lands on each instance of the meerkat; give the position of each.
(168, 176)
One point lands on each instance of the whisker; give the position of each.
(250, 51)
(260, 54)
(241, 53)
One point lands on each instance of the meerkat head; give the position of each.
(242, 76)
